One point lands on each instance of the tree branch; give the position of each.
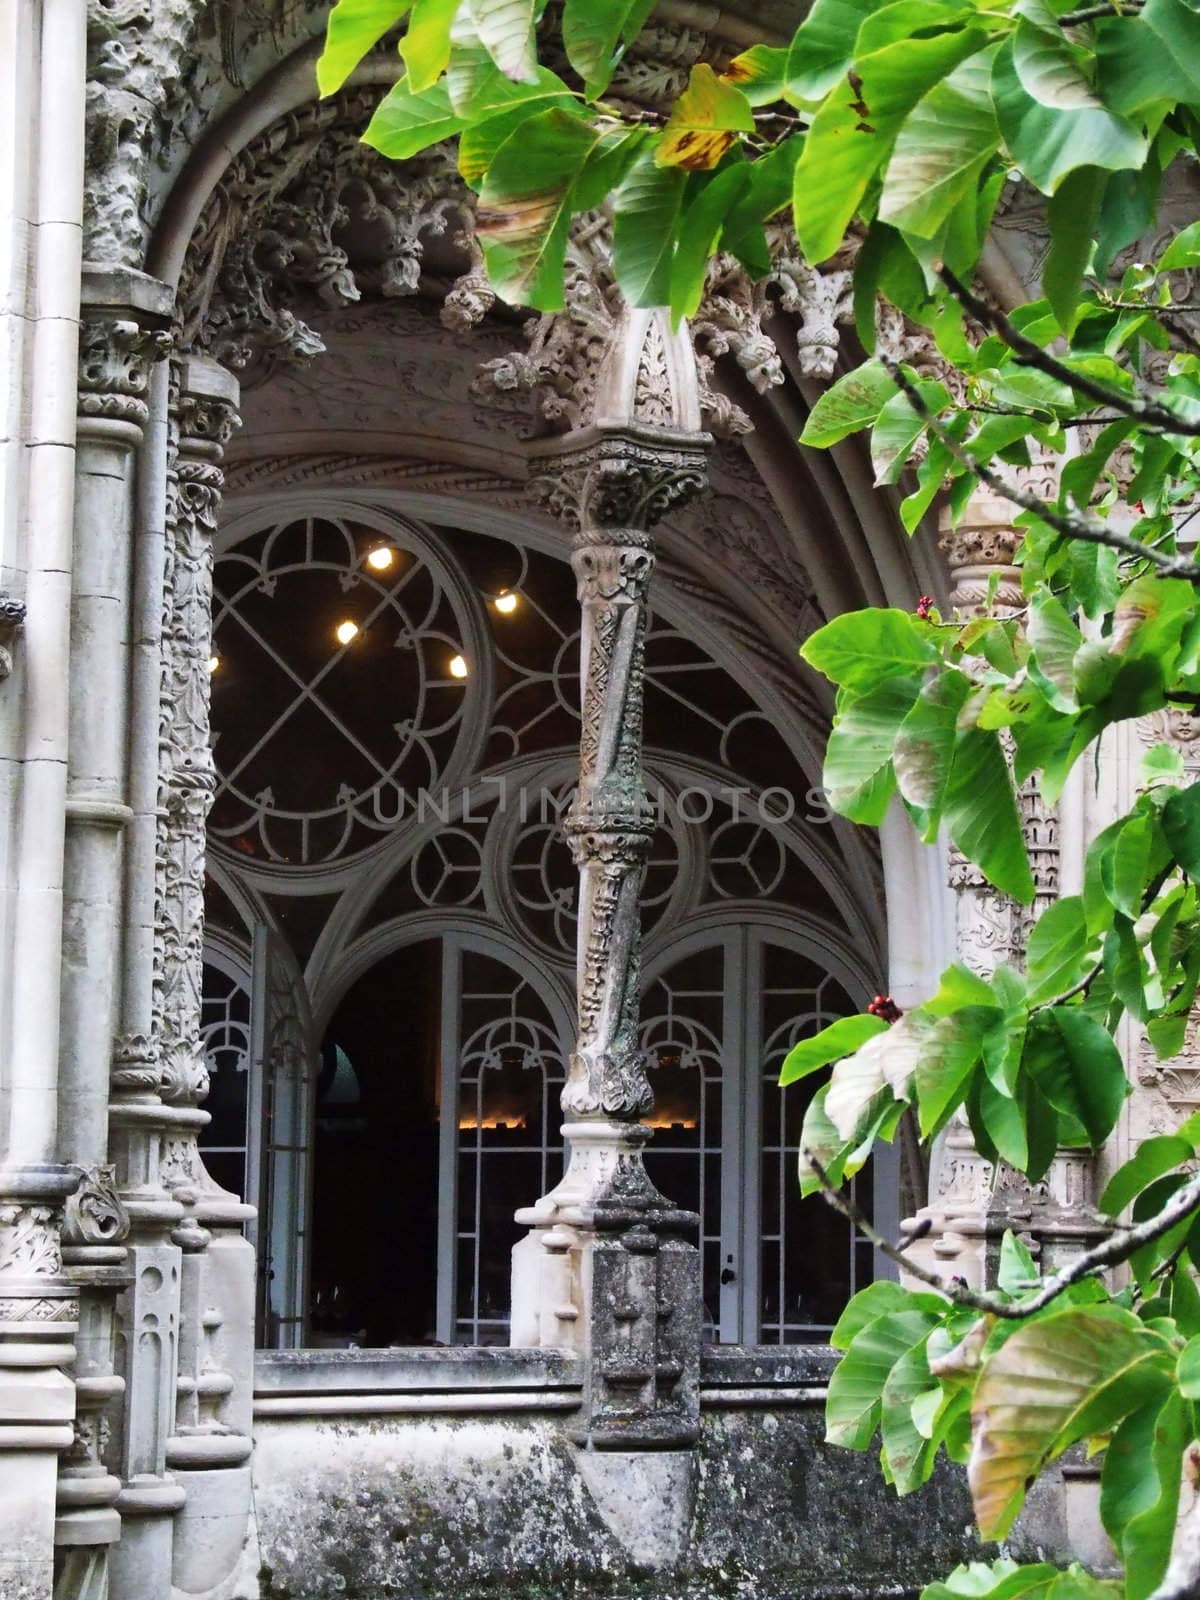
(1030, 354)
(1089, 529)
(1118, 1247)
(1114, 8)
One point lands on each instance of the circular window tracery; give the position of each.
(342, 686)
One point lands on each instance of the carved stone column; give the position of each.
(970, 1204)
(209, 1445)
(121, 337)
(609, 1268)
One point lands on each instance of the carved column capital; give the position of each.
(122, 334)
(619, 479)
(980, 552)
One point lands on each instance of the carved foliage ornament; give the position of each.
(115, 358)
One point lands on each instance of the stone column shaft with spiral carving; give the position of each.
(608, 1267)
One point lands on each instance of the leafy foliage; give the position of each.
(897, 125)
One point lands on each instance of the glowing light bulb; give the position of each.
(381, 558)
(507, 602)
(458, 667)
(213, 663)
(345, 631)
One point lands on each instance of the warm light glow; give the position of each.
(458, 667)
(663, 1124)
(381, 558)
(490, 1124)
(507, 602)
(345, 631)
(213, 663)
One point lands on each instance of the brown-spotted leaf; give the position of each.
(706, 119)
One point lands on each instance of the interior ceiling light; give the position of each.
(345, 631)
(213, 663)
(381, 558)
(507, 602)
(458, 667)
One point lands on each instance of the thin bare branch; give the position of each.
(1111, 1252)
(1151, 412)
(1089, 529)
(1113, 8)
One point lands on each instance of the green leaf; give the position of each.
(1182, 252)
(823, 46)
(853, 402)
(505, 29)
(354, 26)
(1177, 25)
(994, 1580)
(1055, 641)
(947, 1057)
(1078, 1068)
(646, 211)
(1058, 949)
(959, 986)
(924, 746)
(1139, 1490)
(704, 122)
(853, 132)
(1152, 1159)
(426, 43)
(1048, 143)
(1052, 1382)
(940, 148)
(760, 73)
(1128, 865)
(981, 813)
(406, 123)
(899, 426)
(1181, 825)
(595, 34)
(1162, 763)
(1017, 1271)
(840, 1038)
(884, 1295)
(854, 1404)
(907, 1454)
(699, 235)
(1050, 68)
(525, 207)
(860, 649)
(1188, 1372)
(1073, 213)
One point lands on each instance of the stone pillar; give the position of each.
(208, 1448)
(188, 1316)
(125, 314)
(970, 1205)
(608, 1269)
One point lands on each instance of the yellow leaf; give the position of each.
(705, 121)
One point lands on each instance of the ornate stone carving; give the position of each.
(309, 218)
(30, 1245)
(115, 358)
(137, 54)
(206, 419)
(95, 1214)
(12, 620)
(624, 479)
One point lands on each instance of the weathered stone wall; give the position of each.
(456, 1478)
